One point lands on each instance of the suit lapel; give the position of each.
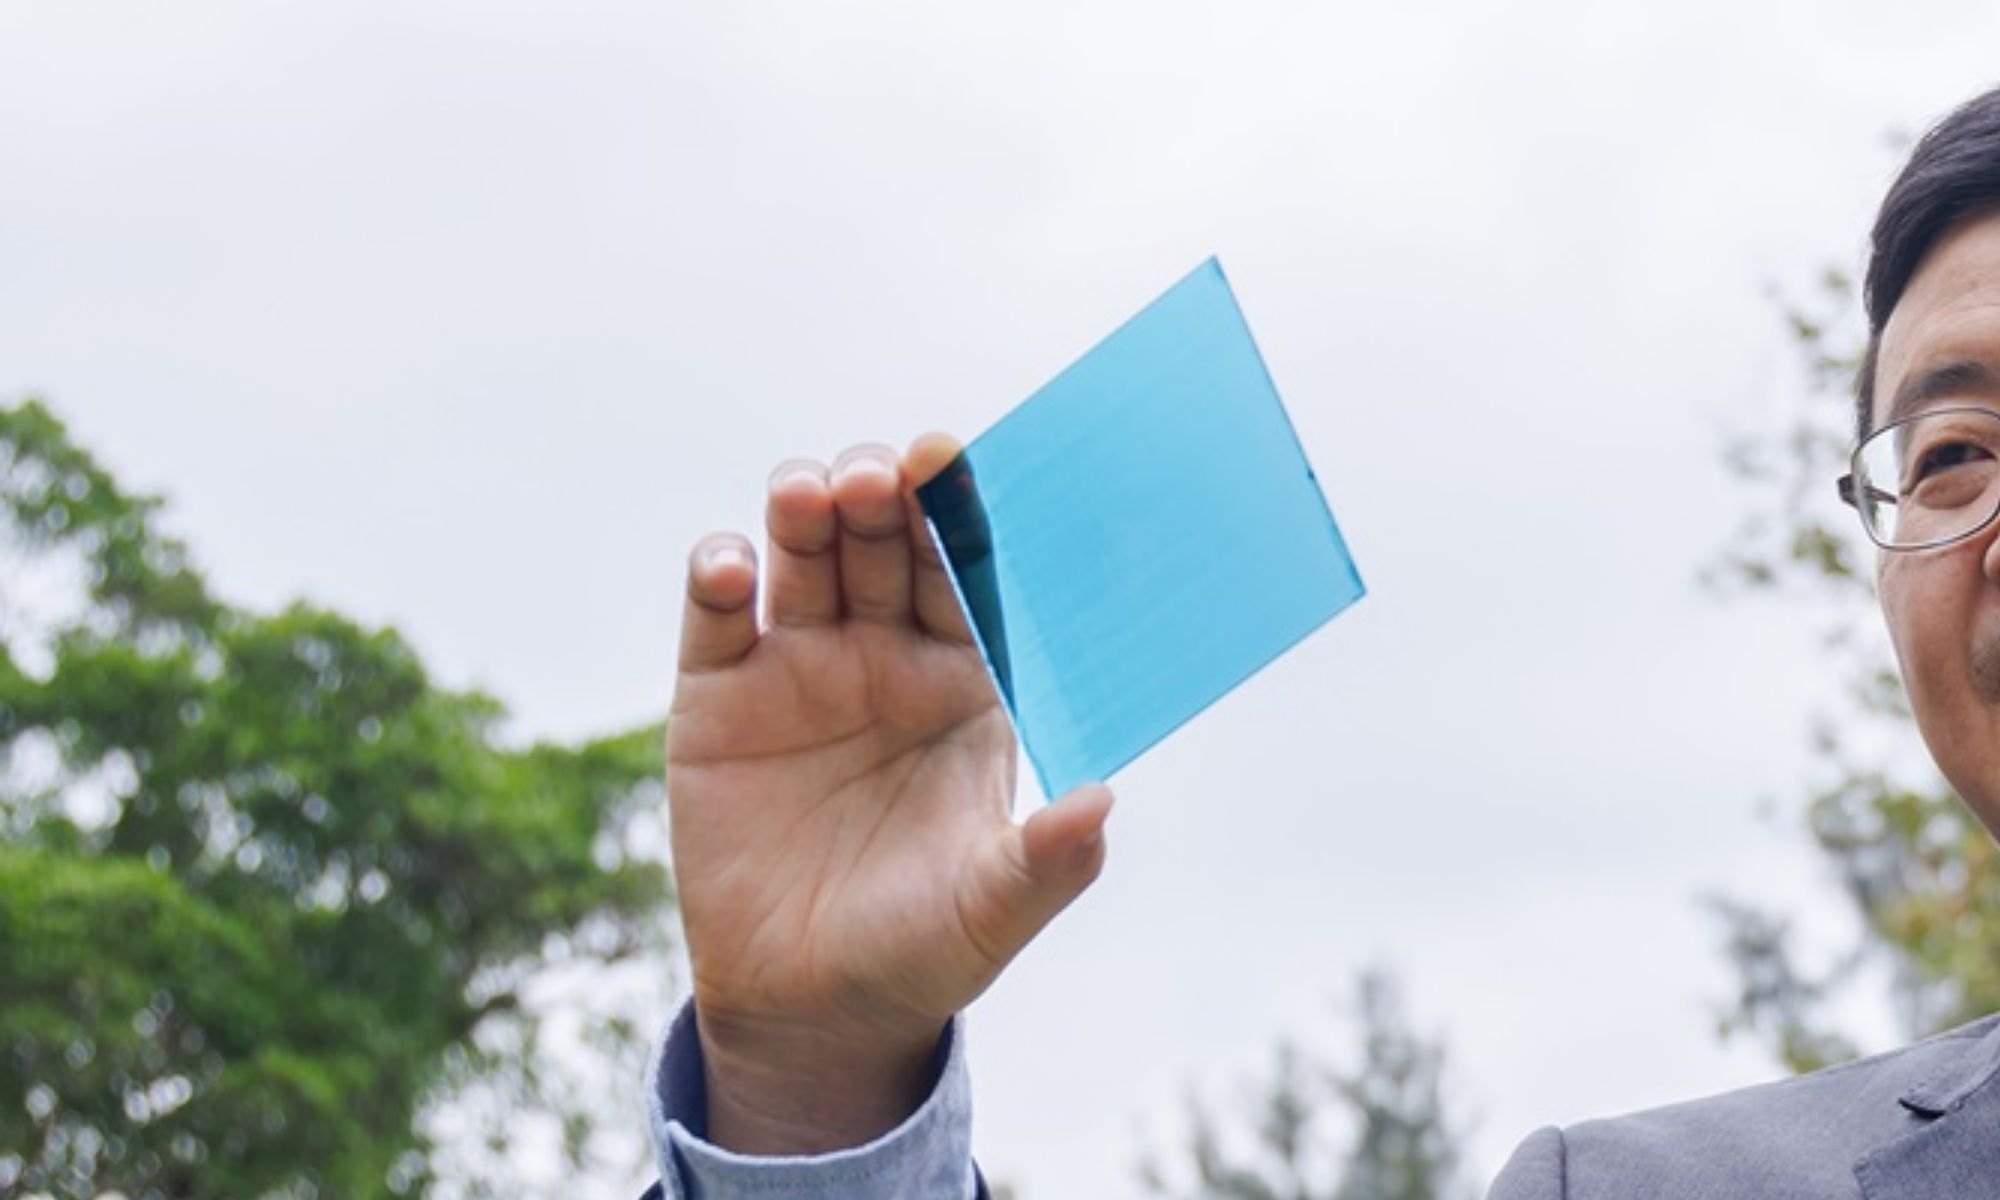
(1956, 1153)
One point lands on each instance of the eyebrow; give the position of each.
(1942, 382)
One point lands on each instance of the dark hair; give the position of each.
(1954, 173)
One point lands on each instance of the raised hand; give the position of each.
(839, 777)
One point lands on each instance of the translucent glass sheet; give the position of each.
(1139, 536)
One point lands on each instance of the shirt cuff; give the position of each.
(928, 1156)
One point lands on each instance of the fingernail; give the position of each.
(726, 554)
(795, 472)
(864, 464)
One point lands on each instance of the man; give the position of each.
(839, 775)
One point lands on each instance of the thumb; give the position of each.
(1065, 837)
(1052, 857)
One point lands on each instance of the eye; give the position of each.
(1946, 455)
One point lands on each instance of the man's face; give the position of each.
(1943, 606)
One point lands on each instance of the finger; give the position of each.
(1047, 862)
(932, 596)
(1067, 836)
(802, 585)
(874, 535)
(720, 622)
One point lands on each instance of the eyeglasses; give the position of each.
(1928, 480)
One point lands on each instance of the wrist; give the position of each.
(789, 1088)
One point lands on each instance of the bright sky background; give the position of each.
(472, 316)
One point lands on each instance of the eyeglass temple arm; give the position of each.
(1849, 494)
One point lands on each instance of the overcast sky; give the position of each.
(470, 317)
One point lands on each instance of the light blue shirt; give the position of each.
(927, 1157)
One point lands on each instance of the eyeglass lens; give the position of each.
(1930, 479)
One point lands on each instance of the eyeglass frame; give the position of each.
(1850, 494)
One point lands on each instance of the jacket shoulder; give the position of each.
(1792, 1137)
(1536, 1170)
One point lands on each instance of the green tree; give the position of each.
(1317, 1131)
(1914, 866)
(264, 887)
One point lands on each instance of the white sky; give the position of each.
(470, 317)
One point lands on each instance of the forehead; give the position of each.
(1948, 319)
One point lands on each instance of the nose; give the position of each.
(1988, 540)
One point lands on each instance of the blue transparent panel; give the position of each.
(1139, 536)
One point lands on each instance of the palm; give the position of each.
(879, 765)
(841, 775)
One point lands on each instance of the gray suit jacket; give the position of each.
(1919, 1123)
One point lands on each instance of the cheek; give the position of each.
(1892, 589)
(1930, 602)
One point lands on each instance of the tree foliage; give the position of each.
(1913, 864)
(1380, 1130)
(261, 880)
